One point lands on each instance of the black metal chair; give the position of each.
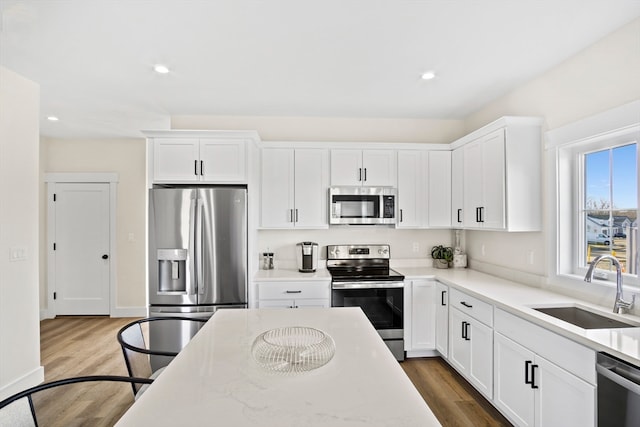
(19, 411)
(137, 353)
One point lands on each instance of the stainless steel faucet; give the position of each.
(620, 305)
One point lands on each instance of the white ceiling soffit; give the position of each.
(94, 59)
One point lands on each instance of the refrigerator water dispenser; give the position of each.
(172, 271)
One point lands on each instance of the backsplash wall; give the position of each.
(403, 242)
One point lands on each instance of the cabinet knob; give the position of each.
(105, 256)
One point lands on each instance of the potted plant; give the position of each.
(442, 256)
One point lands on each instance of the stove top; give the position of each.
(368, 263)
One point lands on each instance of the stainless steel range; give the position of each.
(361, 277)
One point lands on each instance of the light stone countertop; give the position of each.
(517, 299)
(214, 380)
(290, 275)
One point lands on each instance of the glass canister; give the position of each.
(267, 260)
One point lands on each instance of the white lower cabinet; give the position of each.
(294, 294)
(442, 319)
(529, 389)
(419, 317)
(471, 350)
(471, 340)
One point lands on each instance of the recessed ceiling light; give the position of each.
(161, 69)
(428, 75)
(52, 118)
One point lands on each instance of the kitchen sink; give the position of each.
(583, 318)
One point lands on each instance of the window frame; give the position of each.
(565, 150)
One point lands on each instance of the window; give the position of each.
(593, 196)
(608, 214)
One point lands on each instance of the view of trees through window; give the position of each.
(611, 205)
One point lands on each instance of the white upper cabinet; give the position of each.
(484, 182)
(424, 189)
(223, 161)
(371, 168)
(210, 157)
(294, 188)
(439, 189)
(412, 194)
(176, 159)
(502, 178)
(457, 187)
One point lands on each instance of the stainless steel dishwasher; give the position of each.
(618, 392)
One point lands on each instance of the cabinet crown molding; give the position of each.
(189, 133)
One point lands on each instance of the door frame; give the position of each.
(51, 179)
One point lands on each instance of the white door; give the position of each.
(410, 192)
(276, 209)
(223, 161)
(480, 339)
(562, 399)
(423, 315)
(81, 253)
(457, 186)
(472, 188)
(346, 167)
(176, 160)
(442, 319)
(493, 182)
(379, 168)
(512, 394)
(439, 189)
(311, 184)
(459, 350)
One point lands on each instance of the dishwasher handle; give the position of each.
(618, 379)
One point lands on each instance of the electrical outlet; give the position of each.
(416, 247)
(483, 252)
(530, 257)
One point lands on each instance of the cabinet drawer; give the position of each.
(569, 355)
(475, 308)
(293, 290)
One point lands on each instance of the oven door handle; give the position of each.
(619, 379)
(366, 285)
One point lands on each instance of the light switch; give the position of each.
(17, 253)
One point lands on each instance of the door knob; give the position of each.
(105, 256)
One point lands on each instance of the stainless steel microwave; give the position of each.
(362, 205)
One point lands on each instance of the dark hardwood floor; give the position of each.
(86, 345)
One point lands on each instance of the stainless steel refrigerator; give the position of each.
(197, 256)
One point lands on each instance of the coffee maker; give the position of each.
(307, 257)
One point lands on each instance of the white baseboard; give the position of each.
(47, 314)
(130, 312)
(30, 379)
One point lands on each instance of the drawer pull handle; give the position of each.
(465, 304)
(293, 292)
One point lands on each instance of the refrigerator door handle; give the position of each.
(198, 240)
(192, 244)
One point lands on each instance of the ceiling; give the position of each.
(94, 59)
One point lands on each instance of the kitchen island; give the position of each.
(216, 381)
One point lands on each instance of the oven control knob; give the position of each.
(383, 251)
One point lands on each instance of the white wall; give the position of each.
(19, 317)
(603, 76)
(127, 158)
(331, 129)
